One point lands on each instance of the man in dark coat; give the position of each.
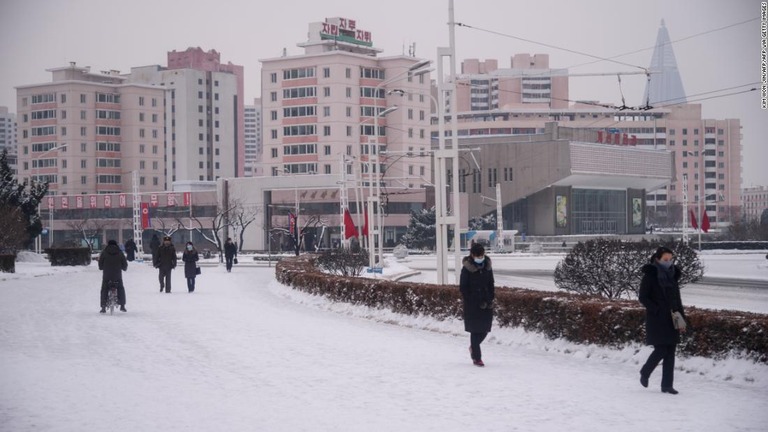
(230, 252)
(165, 260)
(478, 293)
(154, 244)
(130, 249)
(112, 263)
(660, 294)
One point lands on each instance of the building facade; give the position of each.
(8, 136)
(253, 136)
(86, 132)
(331, 111)
(755, 201)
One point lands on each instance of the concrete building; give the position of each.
(755, 201)
(665, 85)
(321, 112)
(561, 181)
(8, 136)
(253, 137)
(85, 132)
(204, 115)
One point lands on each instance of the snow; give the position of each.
(245, 353)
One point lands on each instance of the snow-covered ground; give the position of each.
(245, 353)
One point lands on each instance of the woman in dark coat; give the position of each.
(190, 258)
(130, 249)
(660, 294)
(112, 263)
(478, 292)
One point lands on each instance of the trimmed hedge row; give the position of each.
(576, 318)
(69, 256)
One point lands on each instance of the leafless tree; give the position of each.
(90, 228)
(242, 216)
(310, 221)
(214, 230)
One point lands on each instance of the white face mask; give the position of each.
(189, 247)
(479, 260)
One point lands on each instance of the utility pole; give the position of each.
(137, 228)
(685, 208)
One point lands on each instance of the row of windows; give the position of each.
(696, 142)
(696, 131)
(298, 73)
(44, 163)
(45, 114)
(298, 149)
(113, 115)
(298, 111)
(108, 163)
(374, 73)
(299, 130)
(299, 92)
(43, 98)
(108, 146)
(108, 98)
(100, 97)
(372, 92)
(100, 146)
(43, 147)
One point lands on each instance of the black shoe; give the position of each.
(670, 390)
(161, 288)
(122, 309)
(644, 380)
(103, 310)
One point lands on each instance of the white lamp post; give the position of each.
(38, 240)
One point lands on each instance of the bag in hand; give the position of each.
(197, 270)
(235, 260)
(678, 321)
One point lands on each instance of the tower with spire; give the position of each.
(665, 86)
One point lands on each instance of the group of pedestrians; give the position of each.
(113, 262)
(659, 292)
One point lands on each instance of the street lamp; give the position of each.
(38, 240)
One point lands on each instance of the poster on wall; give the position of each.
(637, 212)
(561, 211)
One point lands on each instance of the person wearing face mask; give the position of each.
(660, 294)
(165, 260)
(190, 258)
(477, 291)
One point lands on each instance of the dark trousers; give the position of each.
(105, 293)
(165, 279)
(475, 339)
(229, 262)
(191, 284)
(664, 353)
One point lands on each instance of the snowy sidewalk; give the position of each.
(244, 353)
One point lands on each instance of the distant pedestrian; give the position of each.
(130, 250)
(230, 253)
(154, 244)
(190, 258)
(660, 294)
(478, 293)
(112, 263)
(165, 260)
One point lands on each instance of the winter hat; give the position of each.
(166, 238)
(112, 242)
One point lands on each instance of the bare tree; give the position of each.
(242, 216)
(13, 234)
(213, 232)
(311, 221)
(90, 228)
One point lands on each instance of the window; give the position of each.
(327, 169)
(216, 83)
(273, 96)
(327, 91)
(63, 98)
(327, 150)
(215, 96)
(300, 149)
(82, 147)
(349, 92)
(42, 98)
(720, 131)
(45, 130)
(671, 143)
(374, 73)
(289, 74)
(154, 149)
(371, 92)
(410, 113)
(141, 133)
(154, 102)
(685, 142)
(200, 165)
(45, 114)
(299, 130)
(83, 180)
(274, 152)
(326, 72)
(326, 111)
(422, 133)
(141, 100)
(410, 132)
(154, 165)
(298, 92)
(349, 111)
(685, 131)
(492, 179)
(63, 131)
(273, 114)
(141, 117)
(421, 115)
(63, 114)
(273, 77)
(83, 163)
(274, 133)
(349, 132)
(348, 73)
(685, 164)
(141, 148)
(695, 131)
(154, 118)
(154, 181)
(83, 130)
(154, 133)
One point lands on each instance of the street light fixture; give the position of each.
(38, 240)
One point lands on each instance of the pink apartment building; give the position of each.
(755, 201)
(320, 112)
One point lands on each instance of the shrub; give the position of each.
(343, 262)
(576, 318)
(7, 263)
(69, 256)
(612, 268)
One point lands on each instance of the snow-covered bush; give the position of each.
(611, 268)
(69, 256)
(343, 262)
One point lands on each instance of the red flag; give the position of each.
(349, 226)
(145, 222)
(694, 224)
(705, 222)
(365, 226)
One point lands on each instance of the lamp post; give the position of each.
(38, 240)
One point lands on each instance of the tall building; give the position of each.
(665, 85)
(204, 114)
(755, 201)
(85, 132)
(707, 151)
(8, 137)
(253, 136)
(325, 105)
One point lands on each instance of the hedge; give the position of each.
(8, 263)
(573, 317)
(69, 256)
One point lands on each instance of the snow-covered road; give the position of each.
(244, 353)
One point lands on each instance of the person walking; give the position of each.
(154, 244)
(230, 253)
(190, 258)
(130, 249)
(478, 292)
(112, 263)
(660, 294)
(165, 260)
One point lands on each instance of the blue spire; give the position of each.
(666, 86)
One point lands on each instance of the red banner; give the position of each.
(107, 201)
(79, 201)
(187, 198)
(349, 226)
(64, 202)
(705, 222)
(145, 222)
(694, 224)
(153, 200)
(92, 199)
(123, 200)
(171, 200)
(51, 202)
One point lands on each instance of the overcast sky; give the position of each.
(109, 34)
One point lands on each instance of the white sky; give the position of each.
(107, 34)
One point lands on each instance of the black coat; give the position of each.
(477, 290)
(165, 257)
(230, 250)
(130, 249)
(190, 259)
(112, 262)
(659, 304)
(154, 244)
